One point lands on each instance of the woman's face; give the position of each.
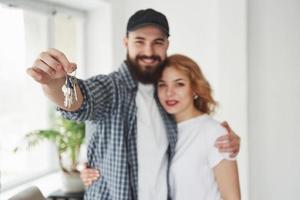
(175, 94)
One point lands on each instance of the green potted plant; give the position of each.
(68, 136)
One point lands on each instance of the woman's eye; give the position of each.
(161, 85)
(180, 84)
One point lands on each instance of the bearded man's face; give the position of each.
(146, 52)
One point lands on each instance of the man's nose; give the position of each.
(148, 51)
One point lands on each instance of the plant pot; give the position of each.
(71, 182)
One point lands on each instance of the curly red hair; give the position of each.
(200, 86)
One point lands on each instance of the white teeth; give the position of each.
(147, 60)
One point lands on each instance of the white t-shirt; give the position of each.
(152, 147)
(191, 172)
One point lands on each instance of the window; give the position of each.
(23, 108)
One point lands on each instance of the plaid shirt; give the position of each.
(109, 104)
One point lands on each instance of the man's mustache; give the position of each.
(157, 58)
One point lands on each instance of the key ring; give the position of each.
(69, 90)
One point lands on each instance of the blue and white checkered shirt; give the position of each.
(109, 104)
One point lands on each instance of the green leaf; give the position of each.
(67, 135)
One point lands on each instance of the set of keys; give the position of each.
(69, 90)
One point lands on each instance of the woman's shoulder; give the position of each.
(213, 127)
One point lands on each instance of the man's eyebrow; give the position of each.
(160, 39)
(139, 38)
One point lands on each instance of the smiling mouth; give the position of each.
(171, 102)
(148, 60)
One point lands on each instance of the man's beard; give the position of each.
(149, 74)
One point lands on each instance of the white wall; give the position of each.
(274, 96)
(231, 89)
(118, 31)
(99, 50)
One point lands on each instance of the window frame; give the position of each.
(49, 10)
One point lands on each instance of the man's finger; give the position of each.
(92, 171)
(223, 138)
(227, 150)
(73, 66)
(44, 67)
(37, 74)
(223, 145)
(50, 61)
(226, 125)
(233, 155)
(62, 59)
(92, 176)
(34, 74)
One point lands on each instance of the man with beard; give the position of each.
(134, 138)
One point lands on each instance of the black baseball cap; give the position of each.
(148, 17)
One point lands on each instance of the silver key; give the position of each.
(69, 91)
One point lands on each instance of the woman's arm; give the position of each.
(226, 173)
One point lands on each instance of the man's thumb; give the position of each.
(226, 125)
(73, 66)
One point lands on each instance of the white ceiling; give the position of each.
(80, 4)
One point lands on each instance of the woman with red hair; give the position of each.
(198, 170)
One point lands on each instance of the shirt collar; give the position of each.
(127, 77)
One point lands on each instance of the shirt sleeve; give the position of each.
(214, 156)
(98, 99)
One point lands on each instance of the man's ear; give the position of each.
(168, 44)
(125, 41)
